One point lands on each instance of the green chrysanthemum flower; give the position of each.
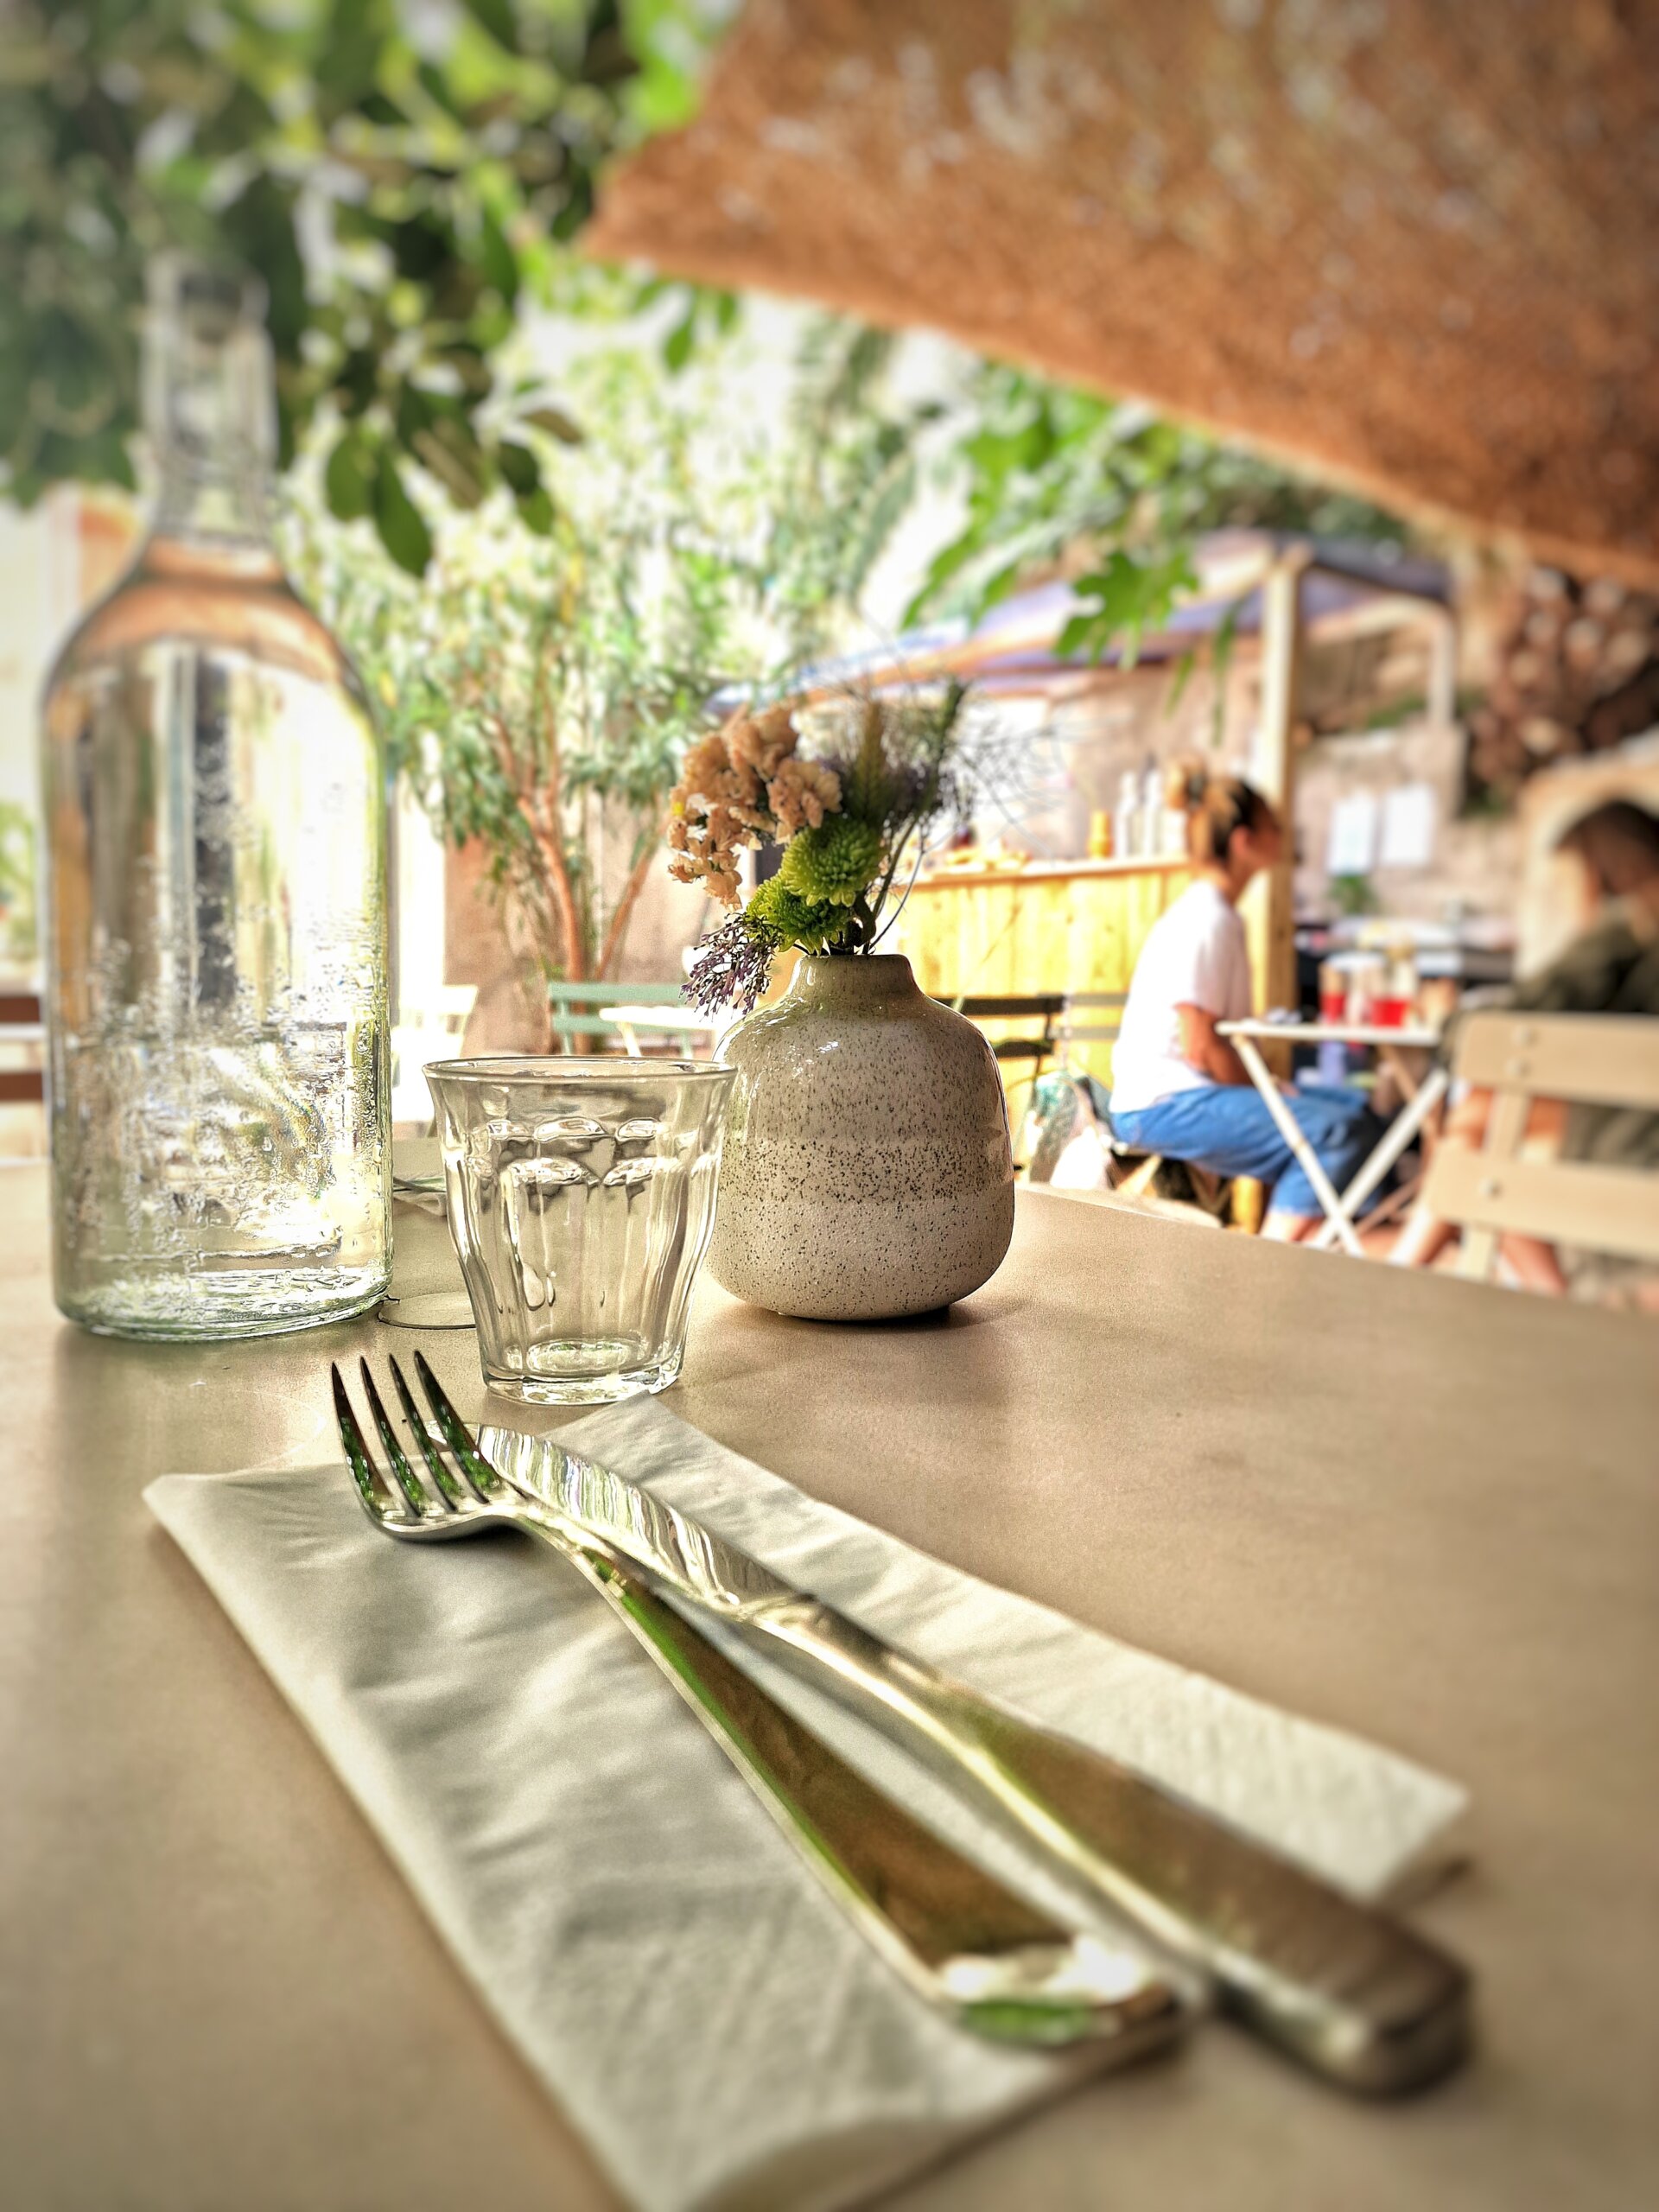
(792, 919)
(830, 865)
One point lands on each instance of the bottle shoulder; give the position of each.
(242, 606)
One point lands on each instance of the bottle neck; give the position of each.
(208, 393)
(208, 501)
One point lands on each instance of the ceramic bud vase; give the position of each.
(867, 1172)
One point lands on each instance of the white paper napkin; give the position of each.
(629, 1913)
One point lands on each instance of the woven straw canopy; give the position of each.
(1408, 242)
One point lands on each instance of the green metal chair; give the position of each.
(575, 1010)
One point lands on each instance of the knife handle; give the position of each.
(974, 1950)
(1349, 1991)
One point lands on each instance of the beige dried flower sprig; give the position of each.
(801, 793)
(741, 786)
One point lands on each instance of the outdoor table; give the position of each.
(1412, 1506)
(1392, 1044)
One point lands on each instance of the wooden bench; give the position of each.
(20, 1030)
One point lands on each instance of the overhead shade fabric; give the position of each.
(1411, 243)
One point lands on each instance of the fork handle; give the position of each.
(960, 1939)
(1348, 1990)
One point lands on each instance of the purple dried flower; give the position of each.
(731, 967)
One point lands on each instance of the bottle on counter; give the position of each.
(1150, 842)
(1126, 815)
(1367, 985)
(217, 943)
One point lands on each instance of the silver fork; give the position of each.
(969, 1946)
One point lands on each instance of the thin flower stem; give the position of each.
(921, 855)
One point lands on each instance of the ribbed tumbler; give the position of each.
(580, 1198)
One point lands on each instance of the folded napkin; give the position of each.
(629, 1914)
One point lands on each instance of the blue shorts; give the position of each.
(1228, 1129)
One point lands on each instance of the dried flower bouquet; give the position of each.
(848, 822)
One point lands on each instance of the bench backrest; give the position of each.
(574, 1009)
(1092, 1017)
(614, 993)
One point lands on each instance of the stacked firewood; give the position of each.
(1577, 670)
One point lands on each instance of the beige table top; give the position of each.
(1422, 1508)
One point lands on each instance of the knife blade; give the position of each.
(1347, 1989)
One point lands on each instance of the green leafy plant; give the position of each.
(1050, 477)
(1128, 597)
(1354, 895)
(850, 811)
(845, 475)
(789, 507)
(539, 694)
(402, 180)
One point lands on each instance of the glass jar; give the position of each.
(1126, 816)
(1367, 982)
(1398, 995)
(217, 946)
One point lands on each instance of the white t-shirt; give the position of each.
(1195, 955)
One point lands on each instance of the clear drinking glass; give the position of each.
(214, 793)
(581, 1196)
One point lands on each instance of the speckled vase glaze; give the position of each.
(867, 1171)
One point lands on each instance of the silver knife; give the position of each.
(1345, 1988)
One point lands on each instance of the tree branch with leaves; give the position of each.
(1058, 481)
(402, 180)
(535, 710)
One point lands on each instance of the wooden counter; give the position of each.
(1051, 926)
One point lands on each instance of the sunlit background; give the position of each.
(719, 487)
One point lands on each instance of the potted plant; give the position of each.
(867, 1172)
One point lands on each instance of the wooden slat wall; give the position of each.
(1079, 930)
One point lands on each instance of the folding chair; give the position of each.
(1096, 1018)
(1043, 1008)
(1580, 1059)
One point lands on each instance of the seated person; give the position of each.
(1610, 967)
(1177, 1087)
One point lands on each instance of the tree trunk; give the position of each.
(616, 929)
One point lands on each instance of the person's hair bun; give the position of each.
(1185, 784)
(1215, 806)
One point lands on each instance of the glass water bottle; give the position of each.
(215, 811)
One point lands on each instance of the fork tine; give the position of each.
(416, 1494)
(453, 1494)
(478, 1471)
(376, 1501)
